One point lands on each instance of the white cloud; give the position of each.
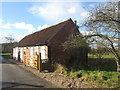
(20, 26)
(18, 38)
(49, 11)
(1, 21)
(23, 25)
(4, 26)
(91, 5)
(84, 14)
(17, 25)
(71, 10)
(58, 11)
(1, 38)
(84, 32)
(42, 27)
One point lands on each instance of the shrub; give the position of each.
(102, 64)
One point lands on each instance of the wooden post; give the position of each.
(24, 60)
(39, 63)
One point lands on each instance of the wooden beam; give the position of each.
(39, 63)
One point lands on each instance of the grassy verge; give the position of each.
(100, 79)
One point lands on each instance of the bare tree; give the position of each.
(9, 42)
(10, 39)
(104, 23)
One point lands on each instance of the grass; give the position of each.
(5, 53)
(100, 79)
(103, 56)
(97, 79)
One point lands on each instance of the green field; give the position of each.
(5, 53)
(102, 56)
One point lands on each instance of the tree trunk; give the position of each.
(118, 64)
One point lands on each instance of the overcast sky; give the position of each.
(22, 18)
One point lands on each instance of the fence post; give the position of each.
(39, 63)
(24, 60)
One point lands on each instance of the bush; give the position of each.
(102, 64)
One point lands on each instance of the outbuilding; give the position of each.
(48, 44)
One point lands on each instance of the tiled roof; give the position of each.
(44, 36)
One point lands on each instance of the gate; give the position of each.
(33, 61)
